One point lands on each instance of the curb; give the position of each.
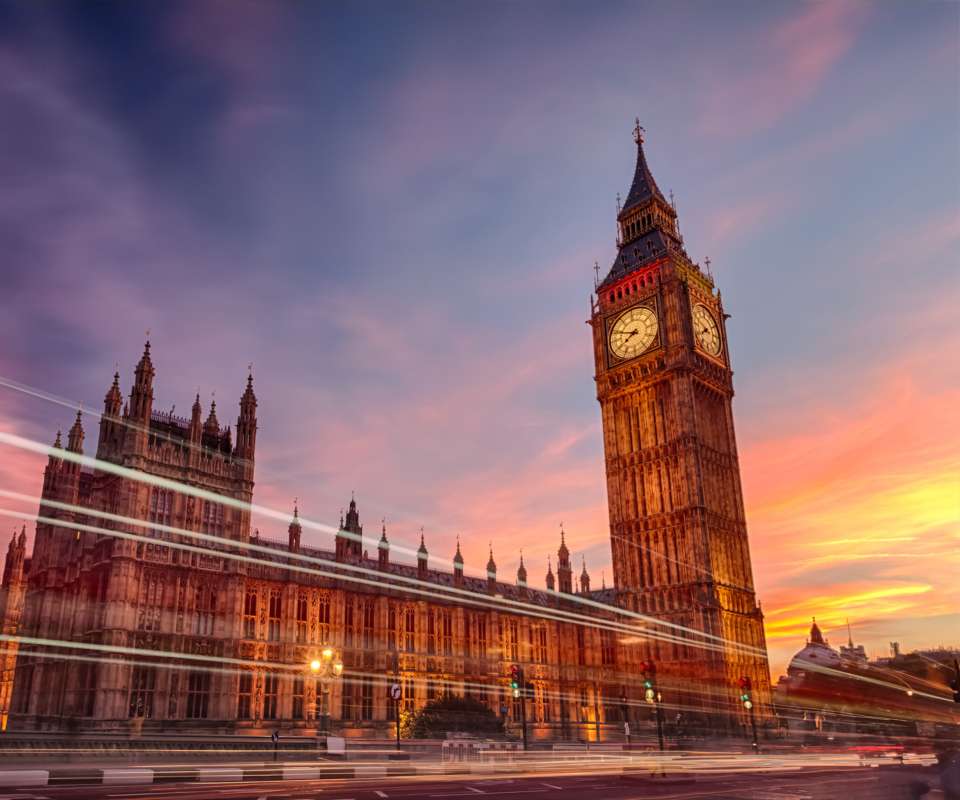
(135, 776)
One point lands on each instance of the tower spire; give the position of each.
(646, 222)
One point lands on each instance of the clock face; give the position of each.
(633, 332)
(705, 330)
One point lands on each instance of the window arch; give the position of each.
(212, 518)
(151, 602)
(161, 505)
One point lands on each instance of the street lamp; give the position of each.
(327, 669)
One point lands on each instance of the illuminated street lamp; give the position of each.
(327, 669)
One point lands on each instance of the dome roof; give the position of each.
(816, 653)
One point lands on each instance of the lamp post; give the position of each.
(327, 669)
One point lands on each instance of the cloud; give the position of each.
(782, 70)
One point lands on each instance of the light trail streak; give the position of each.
(331, 572)
(106, 466)
(413, 584)
(20, 387)
(899, 687)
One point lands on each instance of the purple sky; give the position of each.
(393, 210)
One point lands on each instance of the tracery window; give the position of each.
(198, 695)
(151, 602)
(348, 624)
(481, 629)
(581, 647)
(540, 644)
(368, 625)
(431, 636)
(409, 695)
(301, 629)
(392, 627)
(514, 641)
(250, 614)
(245, 695)
(273, 620)
(141, 691)
(161, 505)
(271, 686)
(409, 628)
(446, 631)
(608, 647)
(366, 699)
(323, 618)
(212, 518)
(298, 694)
(205, 609)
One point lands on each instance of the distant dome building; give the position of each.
(816, 653)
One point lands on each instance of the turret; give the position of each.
(522, 579)
(196, 427)
(458, 567)
(564, 572)
(383, 551)
(247, 422)
(75, 437)
(584, 580)
(141, 395)
(294, 531)
(16, 555)
(422, 559)
(113, 401)
(491, 573)
(212, 427)
(110, 421)
(54, 464)
(551, 585)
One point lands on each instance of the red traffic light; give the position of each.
(515, 672)
(623, 699)
(647, 666)
(745, 685)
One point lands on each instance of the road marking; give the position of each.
(552, 786)
(474, 790)
(378, 793)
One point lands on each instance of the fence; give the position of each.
(480, 752)
(587, 752)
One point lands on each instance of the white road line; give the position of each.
(378, 793)
(474, 790)
(552, 786)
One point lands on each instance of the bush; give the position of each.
(450, 714)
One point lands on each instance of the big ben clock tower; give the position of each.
(677, 526)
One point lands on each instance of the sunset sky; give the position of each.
(393, 211)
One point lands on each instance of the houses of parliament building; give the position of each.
(147, 595)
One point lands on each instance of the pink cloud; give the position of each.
(782, 73)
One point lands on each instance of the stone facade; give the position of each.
(149, 598)
(677, 524)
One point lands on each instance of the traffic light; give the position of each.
(745, 689)
(955, 684)
(515, 679)
(623, 705)
(648, 671)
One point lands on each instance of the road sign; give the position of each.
(396, 692)
(504, 710)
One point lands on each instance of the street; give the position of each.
(889, 783)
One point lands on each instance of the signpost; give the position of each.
(395, 693)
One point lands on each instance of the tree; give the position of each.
(450, 713)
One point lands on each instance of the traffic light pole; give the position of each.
(753, 724)
(523, 707)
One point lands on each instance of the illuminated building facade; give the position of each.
(217, 631)
(149, 597)
(677, 525)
